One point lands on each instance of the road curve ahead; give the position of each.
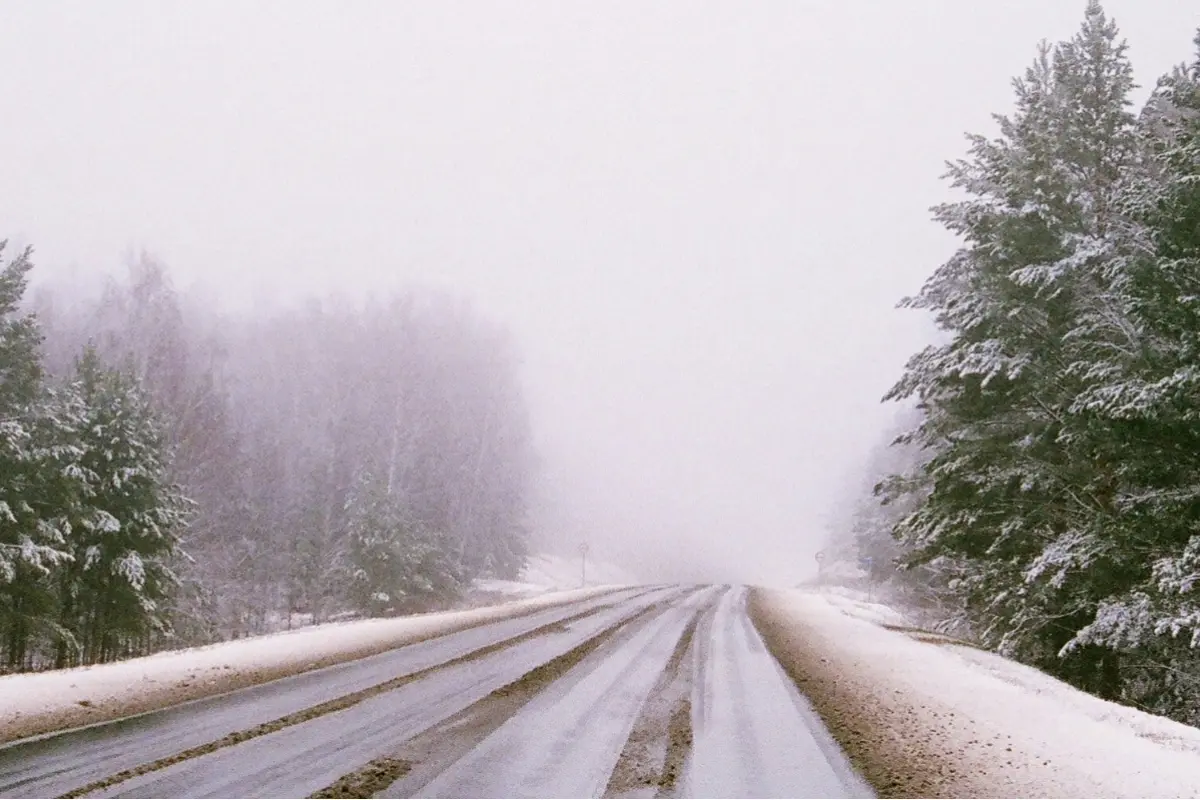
(649, 692)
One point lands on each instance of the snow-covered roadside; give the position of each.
(36, 703)
(861, 605)
(559, 572)
(547, 573)
(929, 718)
(509, 589)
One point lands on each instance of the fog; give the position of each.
(695, 218)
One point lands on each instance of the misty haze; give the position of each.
(600, 399)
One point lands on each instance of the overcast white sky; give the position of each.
(695, 216)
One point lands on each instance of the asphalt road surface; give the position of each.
(647, 692)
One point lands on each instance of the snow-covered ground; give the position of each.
(489, 587)
(546, 573)
(920, 715)
(557, 572)
(34, 703)
(863, 606)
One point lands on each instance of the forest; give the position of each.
(1041, 494)
(174, 475)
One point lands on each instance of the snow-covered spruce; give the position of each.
(88, 523)
(1059, 475)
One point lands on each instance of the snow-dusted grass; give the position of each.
(936, 719)
(35, 703)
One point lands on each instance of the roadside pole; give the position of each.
(865, 564)
(583, 551)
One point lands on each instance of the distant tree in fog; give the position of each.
(339, 458)
(393, 561)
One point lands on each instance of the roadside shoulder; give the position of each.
(925, 717)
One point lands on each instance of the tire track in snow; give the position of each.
(50, 706)
(653, 759)
(566, 741)
(422, 758)
(48, 765)
(300, 759)
(665, 692)
(755, 735)
(328, 707)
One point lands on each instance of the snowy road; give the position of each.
(641, 693)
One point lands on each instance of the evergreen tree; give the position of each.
(1147, 401)
(376, 568)
(31, 545)
(126, 529)
(1019, 485)
(394, 561)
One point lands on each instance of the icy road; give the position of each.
(664, 691)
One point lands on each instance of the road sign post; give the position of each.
(865, 564)
(583, 551)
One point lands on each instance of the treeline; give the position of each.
(1051, 474)
(172, 475)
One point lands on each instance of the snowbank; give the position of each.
(925, 717)
(546, 573)
(557, 572)
(36, 703)
(491, 587)
(861, 605)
